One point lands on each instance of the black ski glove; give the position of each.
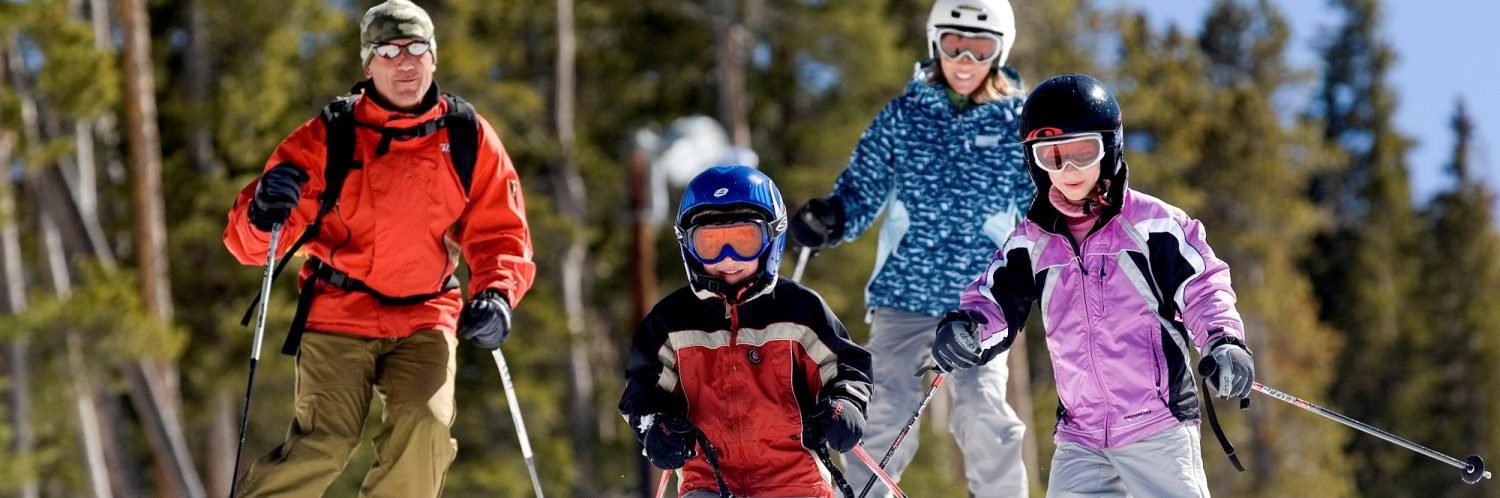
(1232, 370)
(819, 223)
(276, 195)
(667, 438)
(485, 322)
(957, 343)
(838, 423)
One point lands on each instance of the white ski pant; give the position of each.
(986, 428)
(1166, 465)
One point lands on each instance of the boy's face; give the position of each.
(731, 271)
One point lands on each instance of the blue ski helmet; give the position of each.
(732, 189)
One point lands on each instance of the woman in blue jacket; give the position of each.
(944, 161)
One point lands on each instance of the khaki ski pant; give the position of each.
(337, 376)
(986, 428)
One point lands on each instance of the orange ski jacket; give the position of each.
(398, 217)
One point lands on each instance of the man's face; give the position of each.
(404, 78)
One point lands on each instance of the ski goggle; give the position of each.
(980, 47)
(742, 241)
(1082, 151)
(392, 50)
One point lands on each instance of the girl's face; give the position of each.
(732, 271)
(1074, 183)
(964, 75)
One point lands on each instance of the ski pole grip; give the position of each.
(1207, 366)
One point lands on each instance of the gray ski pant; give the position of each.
(1166, 465)
(986, 428)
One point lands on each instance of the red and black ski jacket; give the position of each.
(748, 375)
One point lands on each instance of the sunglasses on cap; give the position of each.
(1082, 151)
(742, 241)
(392, 50)
(980, 47)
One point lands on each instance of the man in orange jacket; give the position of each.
(379, 301)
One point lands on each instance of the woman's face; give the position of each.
(963, 75)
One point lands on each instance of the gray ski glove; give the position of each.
(1235, 369)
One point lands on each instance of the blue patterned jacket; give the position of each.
(954, 184)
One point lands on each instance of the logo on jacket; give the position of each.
(1044, 133)
(443, 148)
(721, 192)
(753, 354)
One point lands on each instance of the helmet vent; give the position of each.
(956, 14)
(984, 17)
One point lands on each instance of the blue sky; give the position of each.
(1445, 49)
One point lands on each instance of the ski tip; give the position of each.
(1475, 470)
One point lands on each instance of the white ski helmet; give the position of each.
(994, 16)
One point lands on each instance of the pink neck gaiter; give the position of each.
(1079, 224)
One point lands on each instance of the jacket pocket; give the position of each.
(1156, 364)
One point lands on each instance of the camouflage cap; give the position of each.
(393, 20)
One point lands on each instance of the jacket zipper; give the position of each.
(1156, 356)
(732, 312)
(1089, 320)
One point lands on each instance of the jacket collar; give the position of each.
(374, 109)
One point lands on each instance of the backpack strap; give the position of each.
(338, 119)
(463, 139)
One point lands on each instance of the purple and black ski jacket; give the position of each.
(1119, 309)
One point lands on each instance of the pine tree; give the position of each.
(1461, 264)
(1362, 270)
(1251, 169)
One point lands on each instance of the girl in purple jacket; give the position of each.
(1126, 284)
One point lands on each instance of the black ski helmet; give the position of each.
(1073, 104)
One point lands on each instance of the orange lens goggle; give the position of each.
(743, 241)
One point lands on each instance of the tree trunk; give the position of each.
(153, 383)
(731, 49)
(221, 444)
(54, 251)
(642, 271)
(199, 77)
(571, 204)
(17, 354)
(105, 126)
(88, 413)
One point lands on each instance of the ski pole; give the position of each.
(859, 451)
(515, 415)
(802, 258)
(834, 472)
(1472, 467)
(260, 332)
(936, 381)
(711, 454)
(661, 488)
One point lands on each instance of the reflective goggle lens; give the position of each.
(391, 50)
(980, 47)
(741, 241)
(1082, 152)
